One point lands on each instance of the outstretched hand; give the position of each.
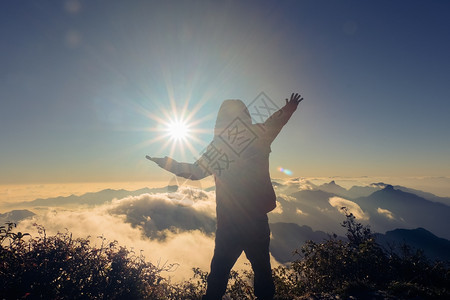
(163, 162)
(296, 98)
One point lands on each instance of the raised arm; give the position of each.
(186, 170)
(278, 119)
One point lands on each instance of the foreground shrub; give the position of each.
(360, 267)
(61, 267)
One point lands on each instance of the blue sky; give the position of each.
(82, 81)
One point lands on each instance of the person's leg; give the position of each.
(227, 250)
(257, 251)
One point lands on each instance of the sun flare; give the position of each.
(178, 130)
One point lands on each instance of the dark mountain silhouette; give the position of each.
(387, 208)
(287, 237)
(94, 198)
(419, 238)
(333, 188)
(354, 192)
(15, 216)
(425, 195)
(364, 191)
(408, 210)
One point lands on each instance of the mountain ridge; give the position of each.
(93, 198)
(287, 237)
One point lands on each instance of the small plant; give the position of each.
(6, 232)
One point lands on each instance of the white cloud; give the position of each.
(278, 209)
(354, 208)
(184, 210)
(385, 212)
(300, 212)
(300, 183)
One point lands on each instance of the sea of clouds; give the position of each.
(169, 228)
(178, 226)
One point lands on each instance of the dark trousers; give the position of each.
(251, 235)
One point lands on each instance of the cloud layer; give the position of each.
(170, 228)
(355, 209)
(177, 225)
(185, 210)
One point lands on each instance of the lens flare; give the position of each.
(285, 171)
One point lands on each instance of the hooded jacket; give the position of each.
(238, 157)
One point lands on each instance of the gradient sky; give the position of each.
(83, 82)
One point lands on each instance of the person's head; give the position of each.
(228, 112)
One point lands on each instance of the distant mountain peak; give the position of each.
(389, 187)
(380, 185)
(433, 246)
(15, 215)
(333, 188)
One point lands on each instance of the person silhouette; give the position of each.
(238, 158)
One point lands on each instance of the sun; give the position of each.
(177, 130)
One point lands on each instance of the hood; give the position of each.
(228, 112)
